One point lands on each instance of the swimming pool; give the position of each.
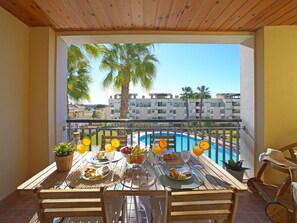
(182, 143)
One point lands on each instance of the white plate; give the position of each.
(94, 179)
(117, 156)
(167, 173)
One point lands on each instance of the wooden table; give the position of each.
(215, 177)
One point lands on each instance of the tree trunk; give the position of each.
(124, 106)
(200, 112)
(187, 107)
(124, 100)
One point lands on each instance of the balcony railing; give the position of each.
(224, 134)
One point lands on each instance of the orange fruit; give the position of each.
(81, 149)
(86, 141)
(115, 143)
(204, 145)
(109, 148)
(198, 151)
(163, 143)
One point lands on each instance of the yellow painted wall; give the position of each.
(27, 111)
(14, 102)
(41, 93)
(279, 88)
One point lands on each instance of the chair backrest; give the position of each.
(202, 205)
(51, 203)
(171, 140)
(107, 139)
(293, 174)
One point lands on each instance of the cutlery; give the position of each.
(194, 174)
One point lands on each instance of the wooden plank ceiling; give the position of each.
(169, 15)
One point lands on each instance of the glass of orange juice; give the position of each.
(83, 147)
(198, 152)
(157, 150)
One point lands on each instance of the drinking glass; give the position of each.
(110, 157)
(81, 149)
(95, 151)
(158, 151)
(198, 152)
(185, 155)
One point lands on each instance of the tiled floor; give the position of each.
(20, 209)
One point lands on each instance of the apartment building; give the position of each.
(160, 106)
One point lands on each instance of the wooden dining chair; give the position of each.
(202, 205)
(57, 203)
(171, 140)
(107, 139)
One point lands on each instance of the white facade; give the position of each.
(165, 106)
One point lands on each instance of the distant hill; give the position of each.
(95, 106)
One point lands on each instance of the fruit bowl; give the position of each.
(134, 155)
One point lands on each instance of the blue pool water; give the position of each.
(182, 143)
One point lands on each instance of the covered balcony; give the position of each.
(33, 67)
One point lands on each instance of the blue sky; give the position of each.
(216, 66)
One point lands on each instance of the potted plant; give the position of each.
(63, 156)
(235, 168)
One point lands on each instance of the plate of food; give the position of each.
(178, 173)
(93, 173)
(170, 156)
(101, 158)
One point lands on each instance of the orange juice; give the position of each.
(81, 148)
(157, 149)
(204, 145)
(197, 150)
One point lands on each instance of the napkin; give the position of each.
(183, 170)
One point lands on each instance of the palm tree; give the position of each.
(78, 76)
(128, 63)
(95, 114)
(185, 96)
(203, 93)
(78, 81)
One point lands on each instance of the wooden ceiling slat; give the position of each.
(181, 15)
(75, 13)
(285, 17)
(100, 14)
(241, 12)
(252, 13)
(88, 14)
(125, 13)
(150, 8)
(214, 13)
(177, 10)
(15, 10)
(201, 13)
(163, 13)
(190, 11)
(64, 14)
(137, 13)
(266, 14)
(51, 13)
(292, 21)
(111, 11)
(26, 12)
(36, 12)
(225, 15)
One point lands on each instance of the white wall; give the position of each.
(247, 104)
(61, 92)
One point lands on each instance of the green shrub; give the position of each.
(63, 149)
